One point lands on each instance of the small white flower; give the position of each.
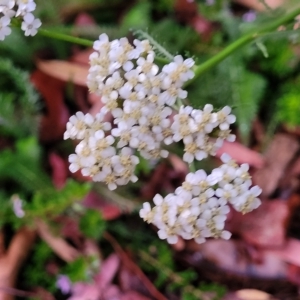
(180, 70)
(30, 24)
(77, 126)
(183, 124)
(18, 206)
(6, 8)
(225, 119)
(25, 7)
(102, 45)
(4, 27)
(145, 211)
(74, 161)
(147, 65)
(248, 201)
(172, 92)
(226, 235)
(206, 120)
(227, 193)
(215, 177)
(143, 46)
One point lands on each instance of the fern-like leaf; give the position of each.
(158, 48)
(19, 110)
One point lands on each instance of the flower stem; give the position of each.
(81, 41)
(192, 167)
(210, 63)
(65, 37)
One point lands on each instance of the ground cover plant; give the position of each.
(149, 149)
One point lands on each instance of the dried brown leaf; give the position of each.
(53, 123)
(251, 294)
(263, 227)
(242, 154)
(108, 271)
(64, 71)
(62, 249)
(59, 170)
(278, 156)
(108, 211)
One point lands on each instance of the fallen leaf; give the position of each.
(82, 57)
(108, 271)
(134, 268)
(112, 292)
(155, 182)
(251, 294)
(53, 123)
(132, 295)
(84, 19)
(62, 249)
(291, 252)
(263, 227)
(12, 260)
(278, 156)
(204, 27)
(109, 211)
(187, 12)
(59, 170)
(242, 154)
(293, 274)
(129, 281)
(84, 291)
(231, 257)
(64, 71)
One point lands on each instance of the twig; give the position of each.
(62, 249)
(11, 261)
(173, 276)
(122, 202)
(2, 243)
(16, 292)
(134, 268)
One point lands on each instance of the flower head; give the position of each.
(30, 24)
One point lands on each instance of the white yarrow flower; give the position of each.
(4, 27)
(30, 24)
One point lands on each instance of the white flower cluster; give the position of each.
(95, 154)
(202, 131)
(144, 100)
(197, 210)
(139, 95)
(18, 8)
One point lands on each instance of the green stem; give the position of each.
(192, 167)
(65, 37)
(83, 42)
(210, 63)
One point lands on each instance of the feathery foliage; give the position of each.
(18, 102)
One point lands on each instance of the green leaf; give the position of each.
(22, 166)
(231, 84)
(261, 46)
(92, 224)
(52, 202)
(77, 270)
(246, 91)
(19, 109)
(288, 108)
(138, 16)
